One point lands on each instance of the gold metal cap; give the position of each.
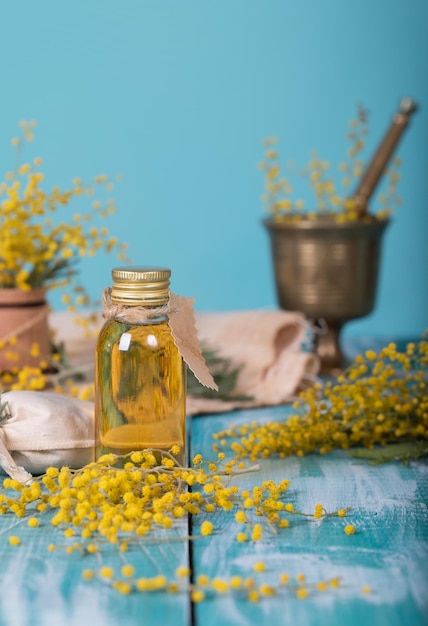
(140, 285)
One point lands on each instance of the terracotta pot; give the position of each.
(24, 316)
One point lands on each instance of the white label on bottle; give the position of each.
(125, 341)
(152, 342)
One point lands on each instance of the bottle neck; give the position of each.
(139, 313)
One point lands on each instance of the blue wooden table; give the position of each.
(383, 567)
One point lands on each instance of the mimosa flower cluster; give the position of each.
(329, 200)
(247, 587)
(52, 373)
(139, 498)
(380, 399)
(41, 243)
(151, 491)
(37, 249)
(20, 378)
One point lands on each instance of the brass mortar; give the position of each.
(329, 271)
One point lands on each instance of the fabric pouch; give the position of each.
(40, 429)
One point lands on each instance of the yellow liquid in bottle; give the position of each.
(140, 389)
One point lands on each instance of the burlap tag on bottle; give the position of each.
(183, 328)
(181, 319)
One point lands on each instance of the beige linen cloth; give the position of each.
(266, 346)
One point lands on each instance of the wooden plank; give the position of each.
(389, 552)
(42, 588)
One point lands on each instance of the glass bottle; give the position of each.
(140, 376)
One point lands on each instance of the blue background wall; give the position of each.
(177, 95)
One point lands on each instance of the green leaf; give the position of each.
(404, 451)
(224, 374)
(4, 411)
